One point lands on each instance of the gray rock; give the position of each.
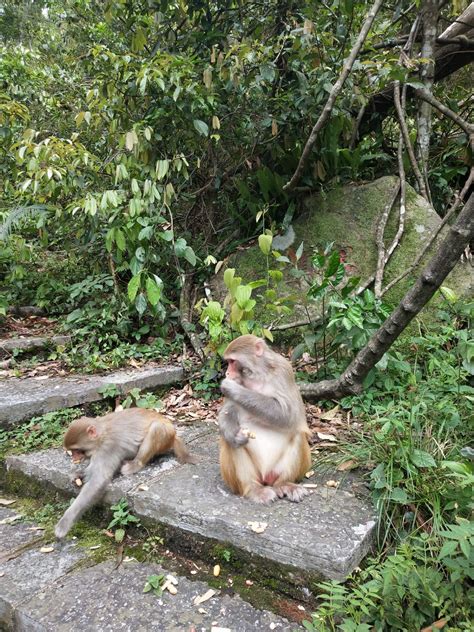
(21, 399)
(104, 599)
(14, 534)
(327, 534)
(30, 344)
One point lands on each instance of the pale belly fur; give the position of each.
(267, 448)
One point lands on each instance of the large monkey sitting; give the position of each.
(125, 439)
(264, 447)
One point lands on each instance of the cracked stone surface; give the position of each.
(21, 399)
(61, 589)
(32, 343)
(328, 533)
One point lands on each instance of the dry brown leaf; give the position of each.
(202, 598)
(216, 570)
(4, 502)
(47, 549)
(437, 625)
(346, 465)
(258, 527)
(326, 437)
(330, 414)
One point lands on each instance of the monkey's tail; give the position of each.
(182, 453)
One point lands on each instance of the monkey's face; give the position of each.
(239, 371)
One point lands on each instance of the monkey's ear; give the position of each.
(259, 348)
(92, 432)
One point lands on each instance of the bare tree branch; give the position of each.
(464, 125)
(440, 265)
(457, 201)
(346, 69)
(379, 240)
(406, 139)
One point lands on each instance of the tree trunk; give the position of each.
(430, 20)
(441, 264)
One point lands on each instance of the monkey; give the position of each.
(264, 445)
(126, 439)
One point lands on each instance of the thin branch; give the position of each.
(457, 201)
(346, 69)
(402, 208)
(429, 98)
(380, 241)
(406, 138)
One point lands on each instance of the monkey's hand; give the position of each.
(62, 528)
(235, 437)
(232, 389)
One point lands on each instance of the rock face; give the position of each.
(348, 217)
(327, 534)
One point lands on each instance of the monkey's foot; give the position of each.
(293, 492)
(131, 467)
(262, 495)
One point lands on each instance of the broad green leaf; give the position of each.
(120, 240)
(132, 287)
(201, 127)
(242, 295)
(140, 303)
(153, 291)
(420, 458)
(161, 169)
(399, 495)
(228, 276)
(448, 548)
(265, 243)
(190, 256)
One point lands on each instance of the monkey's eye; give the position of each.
(246, 372)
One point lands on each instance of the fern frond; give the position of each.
(17, 215)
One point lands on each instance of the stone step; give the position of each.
(64, 589)
(8, 345)
(325, 536)
(22, 399)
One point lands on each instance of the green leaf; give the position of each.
(120, 240)
(201, 127)
(132, 287)
(153, 291)
(119, 535)
(448, 548)
(399, 495)
(265, 243)
(161, 169)
(242, 295)
(228, 276)
(190, 256)
(422, 459)
(140, 303)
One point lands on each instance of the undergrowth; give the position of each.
(416, 444)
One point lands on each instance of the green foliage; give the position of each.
(39, 433)
(154, 583)
(122, 518)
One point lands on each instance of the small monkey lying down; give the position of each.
(125, 439)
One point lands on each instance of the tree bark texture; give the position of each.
(440, 265)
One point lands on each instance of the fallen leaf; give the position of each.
(47, 549)
(258, 527)
(346, 465)
(216, 570)
(326, 437)
(202, 598)
(172, 579)
(332, 483)
(5, 502)
(309, 474)
(330, 414)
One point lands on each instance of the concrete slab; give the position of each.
(14, 535)
(22, 399)
(24, 569)
(30, 344)
(105, 599)
(327, 534)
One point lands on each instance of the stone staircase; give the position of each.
(324, 537)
